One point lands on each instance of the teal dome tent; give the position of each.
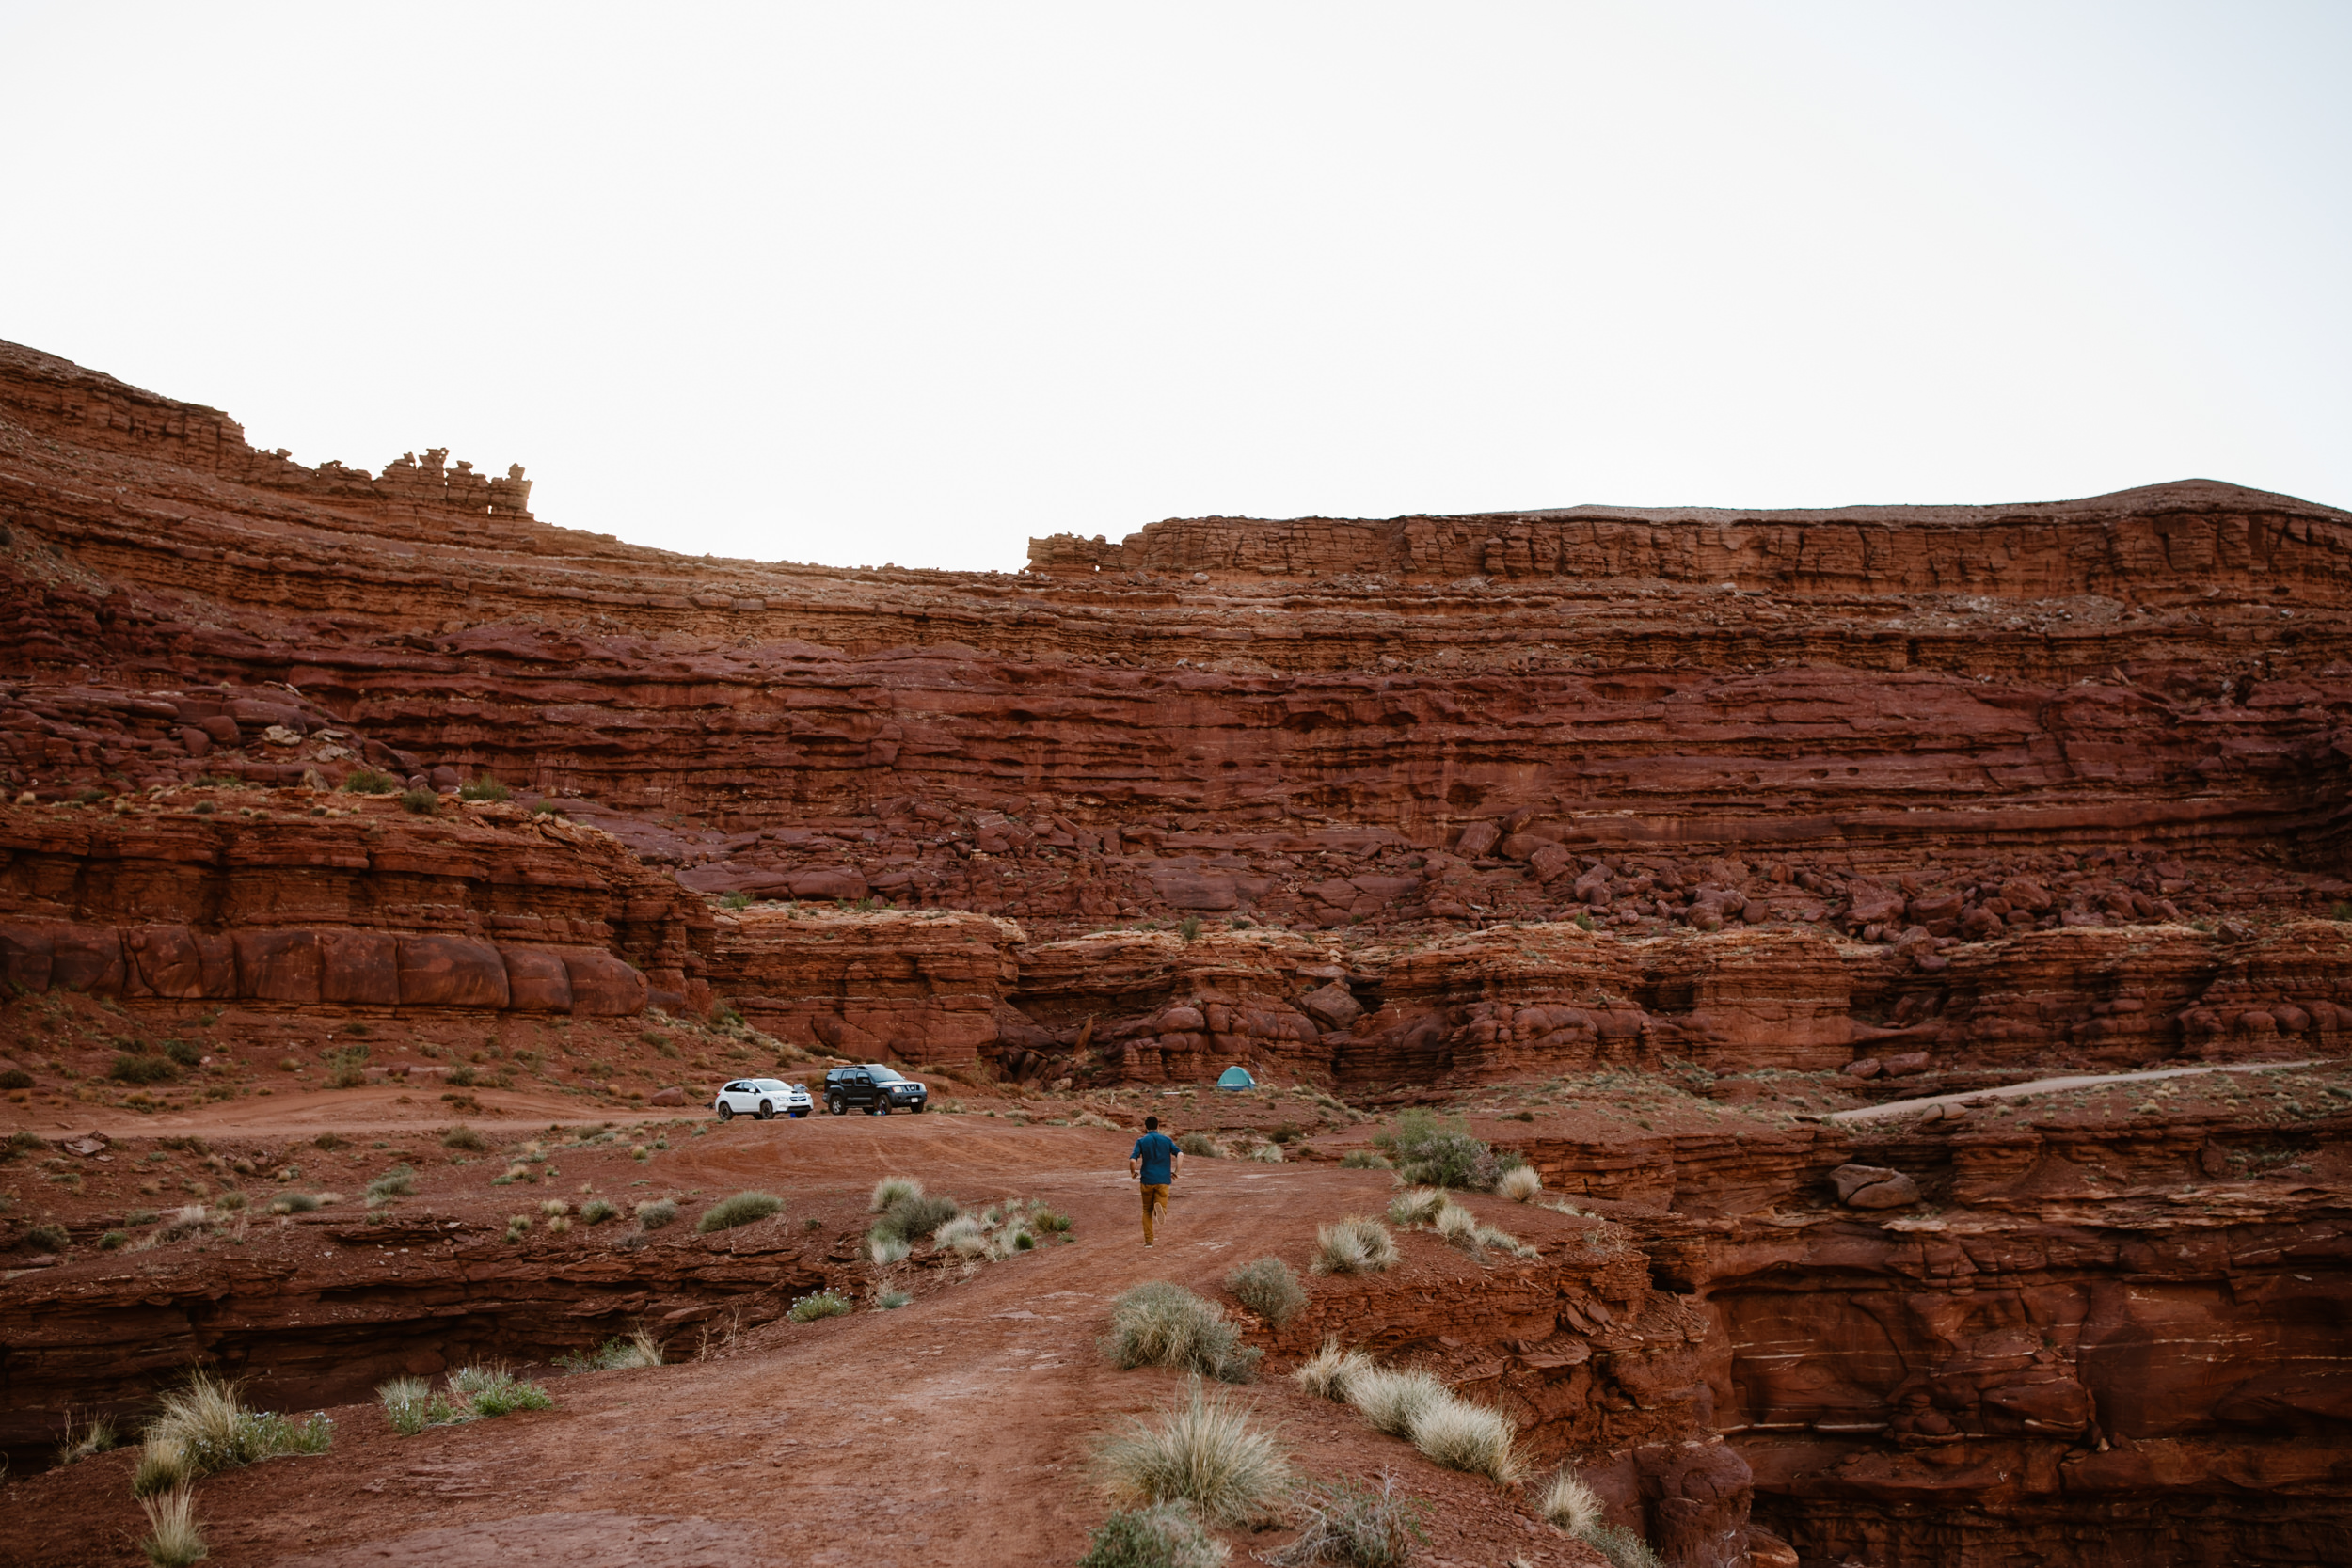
(1235, 1078)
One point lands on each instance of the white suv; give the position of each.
(762, 1097)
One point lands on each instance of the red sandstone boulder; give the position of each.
(279, 966)
(360, 968)
(671, 1096)
(1873, 1187)
(1904, 1066)
(536, 980)
(1477, 839)
(1332, 1007)
(603, 985)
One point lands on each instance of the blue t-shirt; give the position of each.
(1157, 1151)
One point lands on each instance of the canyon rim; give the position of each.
(1750, 876)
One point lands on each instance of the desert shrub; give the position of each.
(637, 1348)
(139, 1067)
(183, 1053)
(1166, 1535)
(484, 788)
(1203, 1452)
(555, 1208)
(1160, 1324)
(228, 1202)
(1475, 1439)
(966, 1235)
(1456, 1225)
(48, 1236)
(915, 1218)
(419, 802)
(1437, 1156)
(596, 1212)
(205, 808)
(1621, 1546)
(742, 1209)
(1394, 1400)
(113, 1240)
(1569, 1502)
(1417, 1206)
(735, 900)
(16, 1078)
(819, 1304)
(399, 1181)
(1331, 1372)
(21, 1141)
(1487, 1238)
(367, 781)
(1349, 1522)
(1520, 1183)
(1189, 927)
(893, 1190)
(1268, 1287)
(346, 1067)
(465, 1137)
(1053, 1222)
(211, 1430)
(295, 1203)
(1356, 1244)
(1203, 1145)
(659, 1212)
(1269, 1154)
(175, 1537)
(885, 1248)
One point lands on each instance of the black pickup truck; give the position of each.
(872, 1088)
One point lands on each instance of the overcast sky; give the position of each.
(866, 282)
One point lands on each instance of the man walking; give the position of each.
(1155, 1162)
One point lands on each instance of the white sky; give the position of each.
(866, 282)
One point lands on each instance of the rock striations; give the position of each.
(1893, 799)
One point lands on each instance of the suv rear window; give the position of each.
(884, 1075)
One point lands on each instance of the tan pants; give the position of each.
(1155, 1205)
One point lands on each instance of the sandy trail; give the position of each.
(2048, 1086)
(957, 1428)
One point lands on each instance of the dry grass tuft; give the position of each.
(1204, 1452)
(1167, 1535)
(1268, 1287)
(175, 1536)
(1417, 1206)
(1520, 1183)
(1356, 1244)
(742, 1209)
(1331, 1372)
(1349, 1522)
(1160, 1324)
(1394, 1400)
(893, 1190)
(1475, 1439)
(1570, 1503)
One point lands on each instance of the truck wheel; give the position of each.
(882, 1107)
(919, 1106)
(767, 1111)
(727, 1112)
(836, 1105)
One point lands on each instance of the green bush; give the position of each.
(637, 1348)
(1201, 1146)
(50, 1237)
(465, 1137)
(596, 1212)
(203, 1427)
(1160, 1324)
(1189, 927)
(138, 1067)
(1439, 1156)
(484, 788)
(16, 1078)
(657, 1213)
(113, 1240)
(1166, 1535)
(1268, 1287)
(739, 899)
(742, 1209)
(495, 1391)
(419, 802)
(819, 1304)
(183, 1053)
(346, 1067)
(1621, 1546)
(367, 781)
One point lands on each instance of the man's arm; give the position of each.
(1175, 1165)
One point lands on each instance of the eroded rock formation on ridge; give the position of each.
(1910, 798)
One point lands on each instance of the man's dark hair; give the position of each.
(1150, 1124)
